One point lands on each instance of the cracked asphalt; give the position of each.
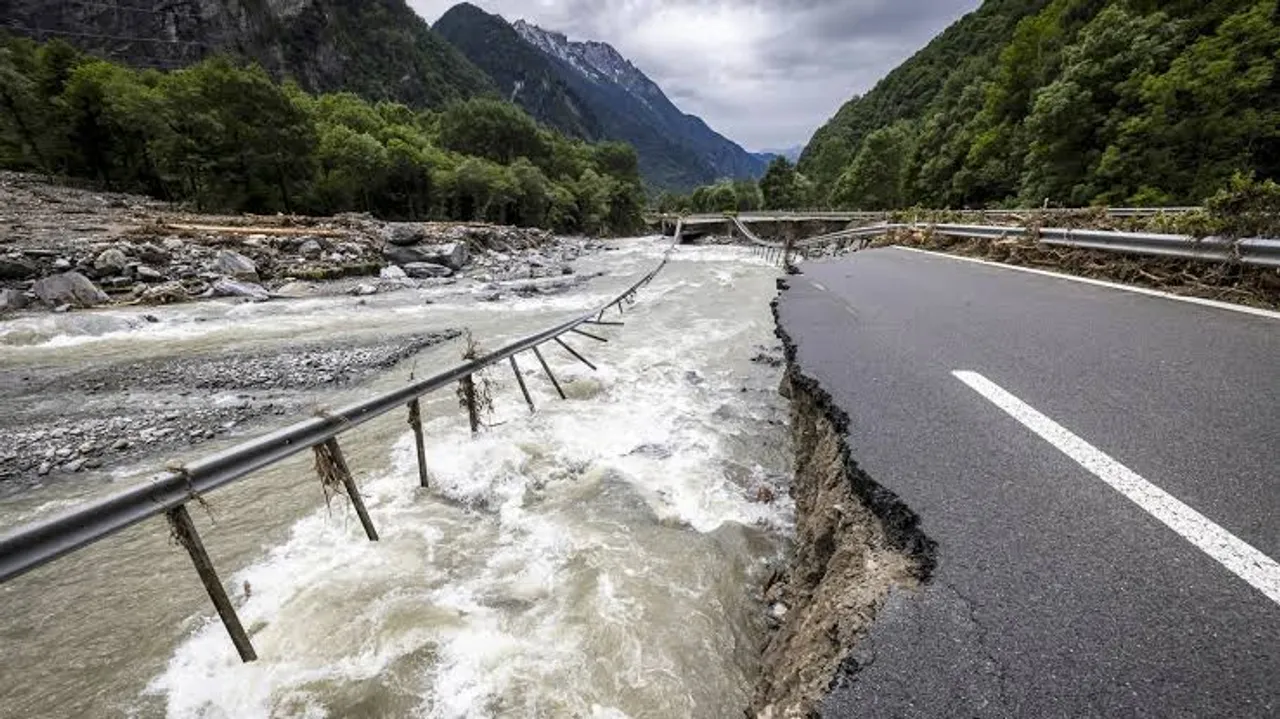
(1054, 594)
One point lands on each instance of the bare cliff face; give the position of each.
(380, 49)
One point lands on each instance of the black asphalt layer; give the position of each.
(1053, 594)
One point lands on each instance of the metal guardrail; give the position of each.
(836, 215)
(1260, 252)
(1252, 251)
(44, 541)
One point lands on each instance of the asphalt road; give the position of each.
(1055, 594)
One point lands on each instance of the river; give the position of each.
(600, 558)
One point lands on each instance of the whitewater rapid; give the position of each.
(600, 558)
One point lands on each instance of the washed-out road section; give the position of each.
(1097, 467)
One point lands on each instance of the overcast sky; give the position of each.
(765, 73)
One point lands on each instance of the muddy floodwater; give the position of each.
(601, 558)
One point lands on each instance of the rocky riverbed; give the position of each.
(63, 248)
(66, 420)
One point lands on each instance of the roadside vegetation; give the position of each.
(225, 137)
(1073, 102)
(1059, 103)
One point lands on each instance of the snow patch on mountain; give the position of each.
(597, 61)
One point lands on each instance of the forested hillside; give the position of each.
(226, 137)
(1073, 102)
(378, 49)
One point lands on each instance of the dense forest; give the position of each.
(224, 136)
(1069, 102)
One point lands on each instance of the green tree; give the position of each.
(591, 195)
(1077, 116)
(492, 129)
(1213, 113)
(781, 187)
(23, 112)
(111, 116)
(237, 139)
(533, 194)
(877, 178)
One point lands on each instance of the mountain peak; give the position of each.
(676, 150)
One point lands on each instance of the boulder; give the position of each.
(152, 254)
(311, 248)
(296, 290)
(12, 300)
(164, 294)
(110, 262)
(363, 290)
(233, 288)
(69, 288)
(453, 255)
(145, 273)
(404, 234)
(16, 268)
(393, 274)
(424, 270)
(234, 265)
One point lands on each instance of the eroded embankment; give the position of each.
(855, 542)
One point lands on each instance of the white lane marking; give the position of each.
(1254, 567)
(1102, 283)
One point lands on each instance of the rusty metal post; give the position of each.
(468, 385)
(353, 492)
(573, 352)
(185, 531)
(523, 389)
(415, 421)
(545, 368)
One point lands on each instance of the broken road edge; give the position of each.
(856, 543)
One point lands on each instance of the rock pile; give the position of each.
(64, 248)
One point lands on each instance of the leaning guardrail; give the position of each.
(39, 543)
(1261, 252)
(1256, 251)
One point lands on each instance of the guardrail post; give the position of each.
(523, 389)
(573, 352)
(537, 353)
(468, 386)
(331, 462)
(185, 532)
(415, 421)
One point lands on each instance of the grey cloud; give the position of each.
(766, 73)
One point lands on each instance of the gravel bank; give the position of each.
(66, 421)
